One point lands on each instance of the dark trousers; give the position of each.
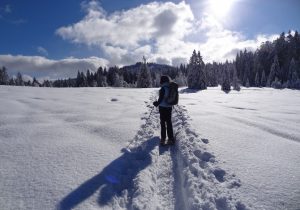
(165, 119)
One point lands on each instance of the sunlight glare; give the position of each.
(220, 8)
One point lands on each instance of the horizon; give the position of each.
(57, 45)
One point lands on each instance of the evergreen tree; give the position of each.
(4, 78)
(79, 80)
(35, 83)
(247, 83)
(196, 74)
(226, 82)
(293, 79)
(263, 81)
(257, 82)
(180, 79)
(235, 82)
(274, 72)
(19, 80)
(12, 82)
(144, 78)
(276, 83)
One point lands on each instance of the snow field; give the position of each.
(98, 148)
(255, 134)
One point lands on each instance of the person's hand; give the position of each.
(155, 103)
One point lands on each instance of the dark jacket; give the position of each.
(163, 95)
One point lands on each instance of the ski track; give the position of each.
(184, 176)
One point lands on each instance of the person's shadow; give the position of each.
(114, 178)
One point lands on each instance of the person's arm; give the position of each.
(161, 97)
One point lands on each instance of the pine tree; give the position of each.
(79, 80)
(4, 78)
(35, 83)
(19, 80)
(196, 73)
(226, 81)
(274, 72)
(293, 78)
(180, 79)
(144, 78)
(263, 81)
(235, 82)
(247, 83)
(257, 82)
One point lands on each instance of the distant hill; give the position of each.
(153, 67)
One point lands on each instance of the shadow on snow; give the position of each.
(114, 178)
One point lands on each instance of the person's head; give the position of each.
(164, 79)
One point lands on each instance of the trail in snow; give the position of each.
(184, 176)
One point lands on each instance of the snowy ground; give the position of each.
(255, 134)
(98, 148)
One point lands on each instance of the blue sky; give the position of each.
(56, 38)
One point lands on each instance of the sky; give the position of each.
(54, 39)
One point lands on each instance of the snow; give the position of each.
(256, 135)
(98, 148)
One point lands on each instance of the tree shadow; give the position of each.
(114, 178)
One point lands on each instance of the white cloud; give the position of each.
(221, 43)
(42, 51)
(164, 32)
(160, 31)
(126, 33)
(42, 67)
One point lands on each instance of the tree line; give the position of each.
(274, 64)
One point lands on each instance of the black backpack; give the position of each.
(173, 94)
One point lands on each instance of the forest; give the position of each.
(274, 64)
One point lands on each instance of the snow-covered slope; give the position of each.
(98, 148)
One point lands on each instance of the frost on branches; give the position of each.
(144, 78)
(196, 72)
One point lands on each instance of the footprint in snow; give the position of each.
(205, 141)
(114, 99)
(219, 174)
(205, 156)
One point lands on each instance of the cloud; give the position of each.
(42, 51)
(125, 33)
(221, 44)
(163, 32)
(160, 60)
(42, 67)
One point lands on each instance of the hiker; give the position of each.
(165, 111)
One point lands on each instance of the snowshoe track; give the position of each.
(183, 176)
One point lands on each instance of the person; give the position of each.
(165, 111)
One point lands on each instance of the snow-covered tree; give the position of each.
(226, 80)
(293, 78)
(180, 79)
(235, 83)
(144, 78)
(276, 83)
(263, 81)
(196, 72)
(274, 72)
(118, 80)
(257, 82)
(247, 83)
(4, 79)
(19, 80)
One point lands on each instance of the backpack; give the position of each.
(173, 94)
